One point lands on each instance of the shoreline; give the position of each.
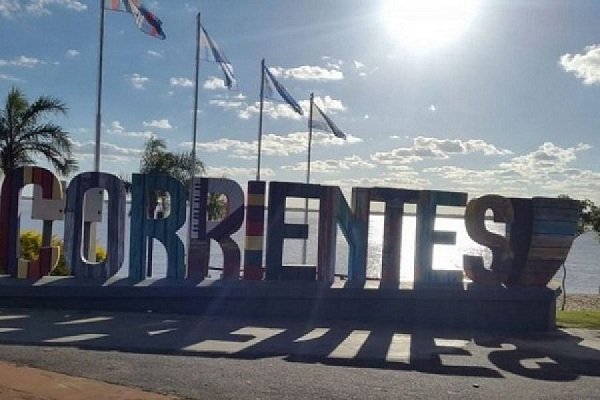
(579, 302)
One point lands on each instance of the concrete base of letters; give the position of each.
(522, 309)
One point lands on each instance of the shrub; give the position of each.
(30, 243)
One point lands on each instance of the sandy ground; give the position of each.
(25, 383)
(578, 302)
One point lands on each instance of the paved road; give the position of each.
(217, 358)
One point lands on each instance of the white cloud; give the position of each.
(270, 109)
(117, 129)
(9, 8)
(272, 144)
(22, 61)
(159, 124)
(214, 83)
(358, 64)
(227, 104)
(116, 126)
(437, 149)
(240, 174)
(138, 81)
(276, 110)
(405, 178)
(333, 166)
(109, 150)
(324, 103)
(41, 7)
(154, 54)
(308, 73)
(543, 172)
(546, 159)
(362, 69)
(72, 53)
(585, 66)
(333, 62)
(182, 82)
(10, 78)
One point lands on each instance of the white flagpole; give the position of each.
(89, 228)
(195, 123)
(99, 98)
(260, 118)
(195, 132)
(310, 116)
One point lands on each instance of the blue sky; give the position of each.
(505, 100)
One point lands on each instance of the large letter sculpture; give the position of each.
(278, 230)
(502, 254)
(553, 229)
(74, 218)
(14, 181)
(203, 230)
(165, 230)
(255, 228)
(539, 233)
(333, 212)
(394, 200)
(426, 236)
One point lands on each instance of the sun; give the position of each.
(427, 24)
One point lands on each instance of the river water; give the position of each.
(582, 264)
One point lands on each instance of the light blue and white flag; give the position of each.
(269, 82)
(211, 52)
(322, 122)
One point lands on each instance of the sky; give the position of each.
(479, 96)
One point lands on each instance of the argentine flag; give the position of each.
(322, 122)
(212, 53)
(269, 82)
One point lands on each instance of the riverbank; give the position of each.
(580, 302)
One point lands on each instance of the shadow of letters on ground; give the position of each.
(557, 356)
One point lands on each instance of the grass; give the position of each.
(578, 319)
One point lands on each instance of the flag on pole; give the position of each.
(269, 82)
(322, 122)
(145, 20)
(211, 52)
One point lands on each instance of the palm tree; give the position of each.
(156, 159)
(24, 134)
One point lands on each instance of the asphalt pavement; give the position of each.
(232, 358)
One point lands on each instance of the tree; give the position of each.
(589, 220)
(156, 159)
(590, 216)
(24, 134)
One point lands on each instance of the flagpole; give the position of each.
(310, 116)
(260, 118)
(99, 94)
(89, 228)
(194, 134)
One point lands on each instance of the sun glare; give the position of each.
(426, 24)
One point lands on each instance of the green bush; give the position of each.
(30, 243)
